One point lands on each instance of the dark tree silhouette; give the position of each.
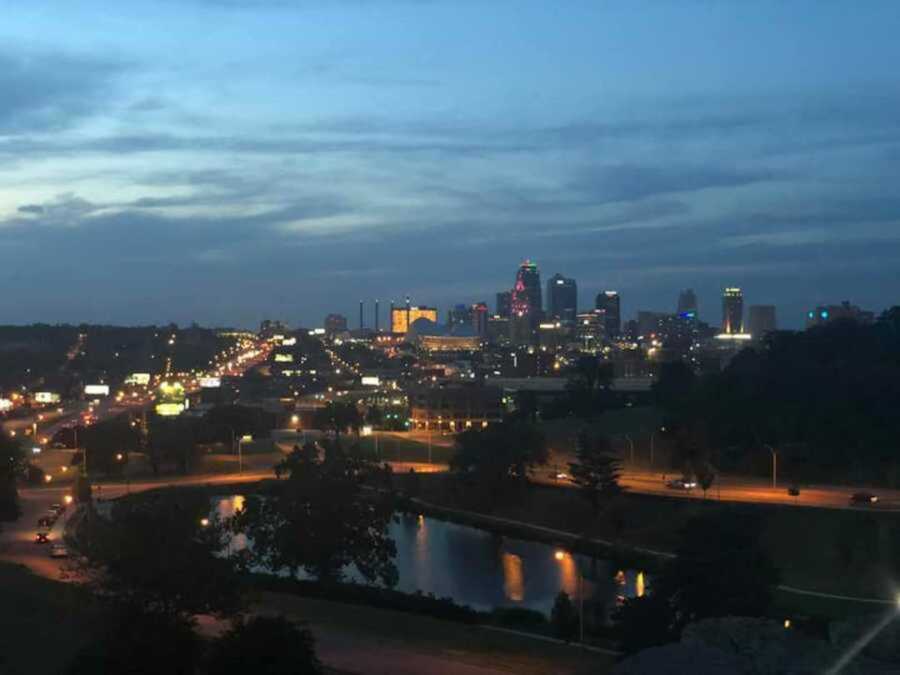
(264, 646)
(596, 469)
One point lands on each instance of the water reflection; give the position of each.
(485, 570)
(513, 580)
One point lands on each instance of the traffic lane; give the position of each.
(17, 540)
(735, 490)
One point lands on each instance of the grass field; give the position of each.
(637, 422)
(43, 622)
(399, 449)
(472, 645)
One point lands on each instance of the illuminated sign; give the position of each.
(140, 379)
(734, 336)
(317, 331)
(371, 381)
(284, 358)
(210, 382)
(5, 404)
(169, 409)
(46, 397)
(96, 389)
(289, 342)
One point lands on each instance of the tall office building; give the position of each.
(761, 320)
(687, 304)
(610, 304)
(732, 311)
(504, 304)
(334, 324)
(526, 293)
(562, 298)
(459, 315)
(479, 318)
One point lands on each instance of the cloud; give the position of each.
(629, 182)
(50, 91)
(35, 209)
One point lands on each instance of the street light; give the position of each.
(774, 465)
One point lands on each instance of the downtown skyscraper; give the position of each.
(562, 298)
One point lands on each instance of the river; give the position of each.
(485, 570)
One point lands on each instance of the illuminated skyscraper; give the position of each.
(732, 311)
(562, 298)
(610, 304)
(526, 293)
(479, 318)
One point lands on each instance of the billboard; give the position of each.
(289, 342)
(210, 382)
(96, 389)
(284, 358)
(5, 404)
(371, 381)
(46, 397)
(169, 409)
(140, 379)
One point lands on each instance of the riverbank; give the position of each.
(841, 553)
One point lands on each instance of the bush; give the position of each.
(384, 598)
(520, 618)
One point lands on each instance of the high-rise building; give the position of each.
(827, 313)
(687, 304)
(761, 320)
(610, 303)
(459, 315)
(526, 292)
(479, 318)
(590, 328)
(504, 304)
(732, 311)
(403, 317)
(562, 298)
(334, 324)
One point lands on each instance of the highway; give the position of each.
(739, 489)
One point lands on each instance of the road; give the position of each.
(739, 489)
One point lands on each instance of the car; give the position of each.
(58, 508)
(59, 551)
(794, 491)
(863, 498)
(46, 521)
(561, 475)
(42, 537)
(682, 484)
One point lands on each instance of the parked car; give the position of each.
(42, 537)
(59, 551)
(58, 508)
(863, 498)
(46, 521)
(682, 484)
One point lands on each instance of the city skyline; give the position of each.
(148, 175)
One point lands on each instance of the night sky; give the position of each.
(225, 161)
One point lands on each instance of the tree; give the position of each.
(721, 569)
(500, 455)
(564, 617)
(644, 622)
(587, 385)
(338, 416)
(319, 519)
(596, 469)
(706, 475)
(12, 462)
(264, 646)
(141, 643)
(160, 551)
(107, 441)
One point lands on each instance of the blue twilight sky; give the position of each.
(229, 160)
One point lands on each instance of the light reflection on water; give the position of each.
(484, 570)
